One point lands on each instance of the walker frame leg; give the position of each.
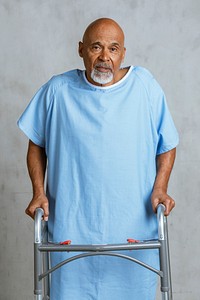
(166, 287)
(38, 255)
(46, 263)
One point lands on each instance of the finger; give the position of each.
(169, 204)
(45, 207)
(167, 210)
(29, 212)
(155, 203)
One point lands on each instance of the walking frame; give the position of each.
(42, 249)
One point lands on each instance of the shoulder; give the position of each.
(48, 91)
(148, 80)
(60, 80)
(144, 75)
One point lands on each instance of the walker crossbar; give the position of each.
(43, 275)
(99, 248)
(42, 248)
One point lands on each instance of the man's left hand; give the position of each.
(160, 197)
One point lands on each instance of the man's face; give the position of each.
(103, 51)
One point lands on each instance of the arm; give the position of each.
(159, 195)
(36, 163)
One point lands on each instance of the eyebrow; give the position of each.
(112, 44)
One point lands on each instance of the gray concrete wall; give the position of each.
(38, 39)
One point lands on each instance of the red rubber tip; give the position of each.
(132, 241)
(68, 242)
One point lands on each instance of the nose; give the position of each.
(104, 56)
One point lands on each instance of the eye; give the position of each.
(96, 47)
(113, 49)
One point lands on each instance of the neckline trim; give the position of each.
(109, 86)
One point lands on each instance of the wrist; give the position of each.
(38, 191)
(159, 190)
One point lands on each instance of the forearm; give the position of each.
(165, 164)
(36, 163)
(159, 195)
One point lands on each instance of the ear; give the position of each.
(80, 49)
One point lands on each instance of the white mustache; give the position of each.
(103, 65)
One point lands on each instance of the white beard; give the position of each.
(100, 77)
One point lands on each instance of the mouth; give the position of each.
(103, 68)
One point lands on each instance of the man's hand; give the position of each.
(160, 197)
(38, 201)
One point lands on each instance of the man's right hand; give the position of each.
(40, 201)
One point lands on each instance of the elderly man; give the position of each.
(107, 140)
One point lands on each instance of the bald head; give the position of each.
(102, 25)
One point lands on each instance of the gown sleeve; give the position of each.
(167, 135)
(33, 120)
(166, 131)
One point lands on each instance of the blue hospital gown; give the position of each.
(101, 144)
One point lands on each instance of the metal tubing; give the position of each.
(160, 218)
(164, 268)
(46, 268)
(38, 225)
(42, 247)
(37, 270)
(37, 254)
(165, 296)
(38, 297)
(62, 263)
(46, 262)
(99, 248)
(168, 260)
(164, 254)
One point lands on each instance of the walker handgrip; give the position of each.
(161, 220)
(38, 224)
(161, 208)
